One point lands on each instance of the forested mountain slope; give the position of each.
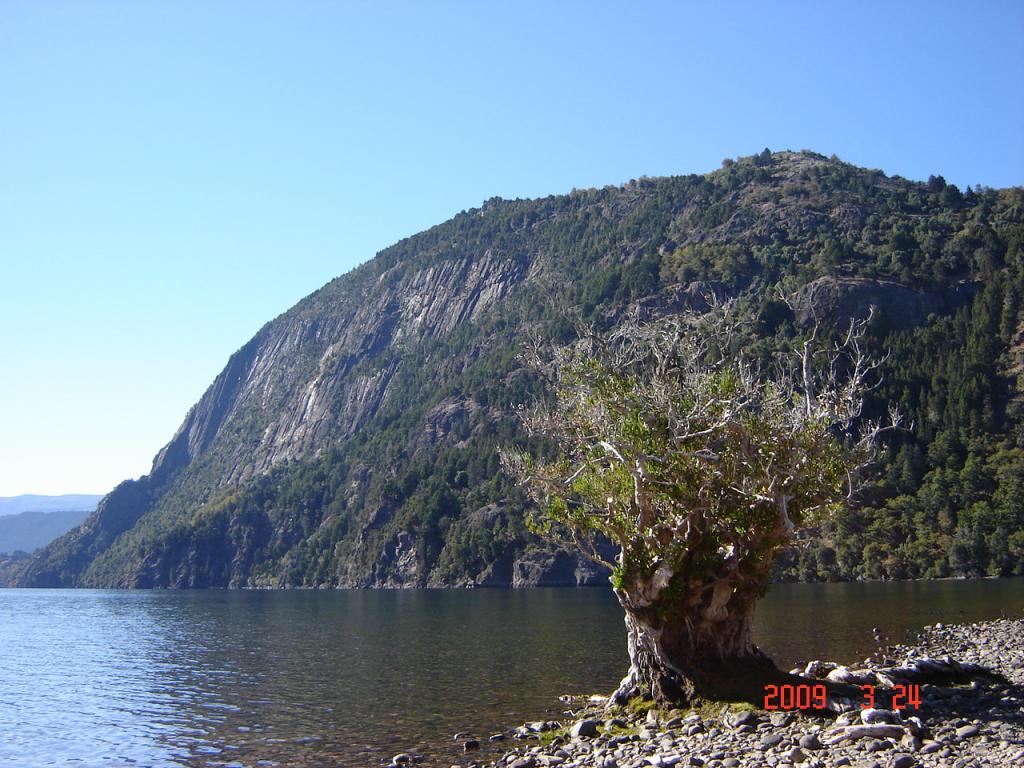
(352, 441)
(27, 531)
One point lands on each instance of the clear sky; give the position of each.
(175, 174)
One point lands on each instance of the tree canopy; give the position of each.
(699, 467)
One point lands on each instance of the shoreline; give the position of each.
(975, 721)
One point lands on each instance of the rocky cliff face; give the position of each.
(352, 441)
(835, 300)
(321, 371)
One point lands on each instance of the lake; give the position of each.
(220, 678)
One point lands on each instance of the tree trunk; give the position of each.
(683, 653)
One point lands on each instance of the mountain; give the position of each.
(27, 531)
(73, 502)
(352, 441)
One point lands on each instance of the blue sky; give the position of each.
(175, 174)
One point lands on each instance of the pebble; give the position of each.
(771, 740)
(743, 718)
(967, 731)
(796, 755)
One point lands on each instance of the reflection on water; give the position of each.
(349, 678)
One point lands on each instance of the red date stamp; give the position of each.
(816, 697)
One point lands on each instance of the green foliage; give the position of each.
(695, 466)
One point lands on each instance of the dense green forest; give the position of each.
(412, 493)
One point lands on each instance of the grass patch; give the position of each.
(546, 737)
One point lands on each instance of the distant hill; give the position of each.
(352, 441)
(30, 502)
(27, 531)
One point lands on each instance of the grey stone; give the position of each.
(743, 718)
(771, 740)
(818, 668)
(796, 755)
(911, 742)
(874, 716)
(810, 741)
(968, 731)
(903, 761)
(584, 728)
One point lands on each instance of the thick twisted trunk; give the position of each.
(681, 654)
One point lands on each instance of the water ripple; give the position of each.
(202, 679)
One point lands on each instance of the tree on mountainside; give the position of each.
(700, 469)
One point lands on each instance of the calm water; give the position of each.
(102, 678)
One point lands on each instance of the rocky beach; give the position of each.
(969, 680)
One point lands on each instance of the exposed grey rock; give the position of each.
(560, 568)
(838, 299)
(584, 728)
(398, 565)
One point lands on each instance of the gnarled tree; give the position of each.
(700, 468)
